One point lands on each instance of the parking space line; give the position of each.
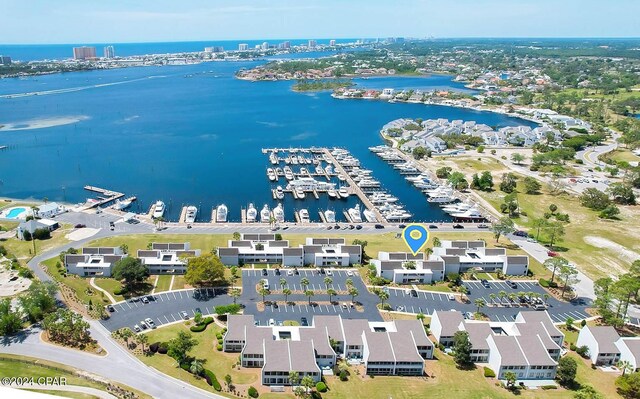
(174, 318)
(334, 307)
(174, 295)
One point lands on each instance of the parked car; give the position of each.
(277, 271)
(265, 272)
(136, 328)
(110, 308)
(80, 226)
(512, 284)
(329, 273)
(359, 227)
(451, 297)
(272, 322)
(552, 254)
(414, 293)
(349, 273)
(351, 227)
(150, 322)
(329, 227)
(433, 226)
(304, 322)
(379, 226)
(483, 226)
(184, 315)
(143, 325)
(344, 305)
(145, 300)
(402, 226)
(520, 233)
(485, 283)
(289, 272)
(458, 226)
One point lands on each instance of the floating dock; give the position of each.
(183, 215)
(106, 196)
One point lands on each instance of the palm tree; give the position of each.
(264, 292)
(283, 283)
(546, 297)
(126, 334)
(502, 295)
(294, 377)
(196, 367)
(492, 296)
(349, 282)
(286, 293)
(383, 295)
(327, 282)
(463, 290)
(143, 339)
(436, 242)
(480, 303)
(304, 282)
(353, 291)
(512, 297)
(235, 294)
(625, 366)
(309, 294)
(428, 251)
(331, 292)
(521, 295)
(272, 221)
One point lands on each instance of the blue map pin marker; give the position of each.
(415, 236)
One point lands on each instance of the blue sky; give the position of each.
(78, 21)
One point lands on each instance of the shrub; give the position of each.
(185, 366)
(218, 336)
(154, 347)
(315, 395)
(573, 347)
(252, 392)
(207, 320)
(120, 291)
(582, 350)
(547, 387)
(343, 375)
(321, 386)
(211, 379)
(198, 328)
(489, 373)
(219, 347)
(163, 348)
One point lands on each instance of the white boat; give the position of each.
(441, 199)
(271, 174)
(301, 160)
(304, 171)
(221, 213)
(122, 205)
(159, 209)
(287, 160)
(319, 170)
(354, 214)
(273, 157)
(279, 192)
(397, 215)
(265, 214)
(344, 193)
(341, 177)
(278, 213)
(310, 184)
(192, 212)
(294, 160)
(328, 169)
(333, 193)
(330, 216)
(252, 213)
(304, 215)
(288, 173)
(457, 208)
(472, 213)
(370, 216)
(300, 193)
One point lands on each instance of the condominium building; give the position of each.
(264, 248)
(165, 258)
(93, 262)
(450, 257)
(5, 60)
(529, 346)
(312, 43)
(84, 53)
(243, 47)
(109, 52)
(385, 348)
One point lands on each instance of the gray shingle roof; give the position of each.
(450, 321)
(605, 336)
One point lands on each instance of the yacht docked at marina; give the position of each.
(252, 213)
(191, 214)
(221, 213)
(158, 210)
(265, 214)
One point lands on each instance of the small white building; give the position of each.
(49, 210)
(629, 348)
(601, 341)
(32, 225)
(406, 268)
(93, 261)
(169, 258)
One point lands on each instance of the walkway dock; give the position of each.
(183, 215)
(105, 197)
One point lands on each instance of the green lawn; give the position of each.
(64, 394)
(110, 285)
(178, 283)
(621, 155)
(15, 368)
(79, 285)
(164, 281)
(23, 250)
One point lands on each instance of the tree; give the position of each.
(555, 232)
(264, 292)
(539, 223)
(531, 185)
(235, 293)
(594, 199)
(38, 300)
(327, 282)
(493, 297)
(67, 327)
(420, 316)
(568, 323)
(197, 318)
(283, 283)
(180, 346)
(517, 158)
(462, 348)
(10, 321)
(143, 339)
(419, 152)
(436, 242)
(458, 181)
(228, 380)
(510, 377)
(554, 264)
(236, 236)
(309, 294)
(294, 377)
(124, 248)
(353, 291)
(610, 212)
(131, 270)
(566, 372)
(629, 385)
(383, 295)
(196, 367)
(503, 227)
(625, 366)
(204, 270)
(331, 292)
(286, 292)
(443, 173)
(304, 282)
(480, 303)
(508, 183)
(483, 182)
(307, 382)
(622, 193)
(587, 392)
(553, 208)
(568, 275)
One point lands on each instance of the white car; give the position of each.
(272, 322)
(289, 272)
(329, 273)
(349, 273)
(451, 297)
(184, 315)
(150, 322)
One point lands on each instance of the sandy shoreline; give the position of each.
(41, 123)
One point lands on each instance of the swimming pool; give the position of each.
(13, 213)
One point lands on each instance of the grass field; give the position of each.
(164, 281)
(621, 155)
(23, 250)
(178, 283)
(110, 285)
(64, 394)
(15, 368)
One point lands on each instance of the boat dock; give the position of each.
(105, 196)
(353, 187)
(183, 215)
(324, 219)
(214, 215)
(346, 215)
(243, 215)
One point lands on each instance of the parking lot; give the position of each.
(281, 313)
(165, 307)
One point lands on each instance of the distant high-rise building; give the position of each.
(332, 42)
(243, 47)
(265, 46)
(208, 49)
(109, 52)
(312, 43)
(84, 53)
(218, 49)
(286, 44)
(4, 60)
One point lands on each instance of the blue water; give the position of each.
(431, 82)
(193, 135)
(15, 212)
(31, 52)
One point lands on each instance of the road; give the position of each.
(119, 365)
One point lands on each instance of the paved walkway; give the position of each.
(71, 388)
(94, 285)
